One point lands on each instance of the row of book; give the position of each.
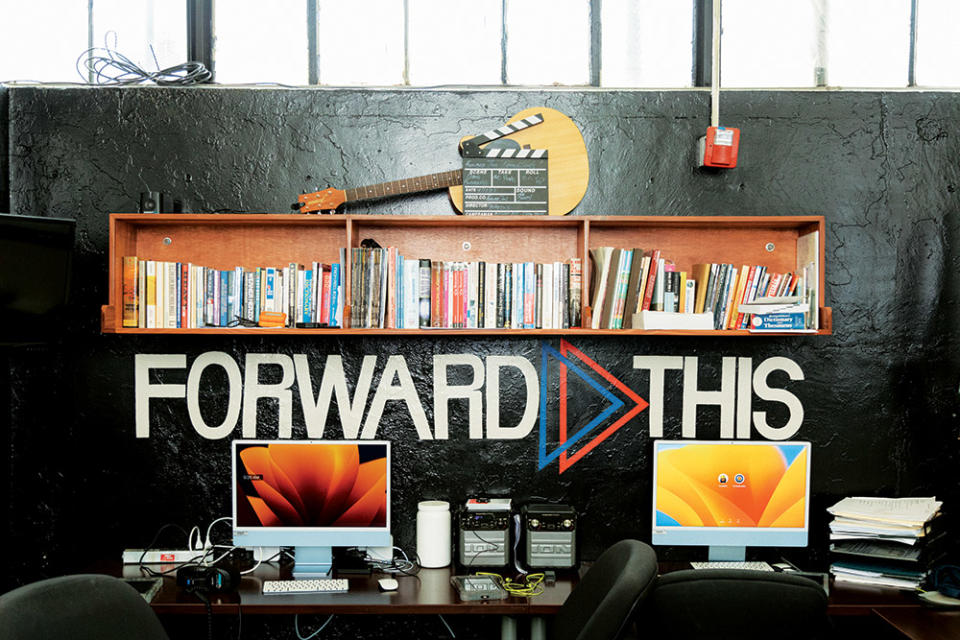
(629, 283)
(175, 295)
(889, 542)
(390, 290)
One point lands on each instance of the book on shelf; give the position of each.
(394, 291)
(667, 320)
(182, 295)
(628, 281)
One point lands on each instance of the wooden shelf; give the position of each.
(223, 241)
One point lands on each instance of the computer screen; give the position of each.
(36, 255)
(312, 495)
(730, 494)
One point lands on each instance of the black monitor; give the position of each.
(36, 255)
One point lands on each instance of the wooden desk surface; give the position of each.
(429, 592)
(922, 623)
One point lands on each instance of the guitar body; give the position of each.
(568, 170)
(568, 166)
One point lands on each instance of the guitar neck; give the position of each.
(429, 182)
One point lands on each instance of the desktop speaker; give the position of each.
(484, 539)
(551, 536)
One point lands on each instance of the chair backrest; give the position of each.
(728, 603)
(79, 607)
(603, 602)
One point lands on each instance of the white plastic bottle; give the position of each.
(433, 533)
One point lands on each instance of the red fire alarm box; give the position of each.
(719, 147)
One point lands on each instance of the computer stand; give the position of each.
(726, 554)
(312, 562)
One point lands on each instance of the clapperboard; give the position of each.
(503, 180)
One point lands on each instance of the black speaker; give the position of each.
(150, 202)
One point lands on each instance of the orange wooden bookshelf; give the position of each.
(224, 241)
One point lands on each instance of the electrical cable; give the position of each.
(194, 545)
(206, 542)
(296, 627)
(493, 546)
(107, 66)
(516, 543)
(452, 634)
(202, 597)
(531, 585)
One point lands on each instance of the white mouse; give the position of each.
(388, 584)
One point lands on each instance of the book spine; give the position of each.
(291, 282)
(326, 286)
(411, 294)
(507, 294)
(623, 279)
(298, 311)
(436, 292)
(222, 292)
(691, 296)
(546, 313)
(446, 295)
(142, 294)
(538, 296)
(171, 297)
(341, 290)
(151, 301)
(576, 291)
(306, 315)
(490, 314)
(516, 304)
(401, 290)
(481, 294)
(390, 313)
(424, 291)
(651, 280)
(184, 286)
(130, 289)
(529, 295)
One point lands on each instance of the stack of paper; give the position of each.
(884, 541)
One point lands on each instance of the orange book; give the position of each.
(131, 299)
(743, 292)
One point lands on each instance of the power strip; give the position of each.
(160, 556)
(179, 556)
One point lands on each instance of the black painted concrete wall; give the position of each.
(880, 395)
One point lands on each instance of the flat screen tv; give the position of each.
(36, 255)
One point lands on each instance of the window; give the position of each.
(646, 43)
(938, 48)
(260, 41)
(38, 42)
(605, 43)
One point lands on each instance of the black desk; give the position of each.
(430, 592)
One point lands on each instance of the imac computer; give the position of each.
(312, 495)
(729, 494)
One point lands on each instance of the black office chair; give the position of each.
(79, 607)
(602, 604)
(743, 605)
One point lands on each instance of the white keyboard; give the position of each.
(322, 585)
(749, 566)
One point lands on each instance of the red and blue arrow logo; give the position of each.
(574, 360)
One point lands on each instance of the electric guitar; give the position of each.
(568, 174)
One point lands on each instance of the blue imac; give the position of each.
(730, 494)
(312, 495)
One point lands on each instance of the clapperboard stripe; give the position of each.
(515, 153)
(507, 129)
